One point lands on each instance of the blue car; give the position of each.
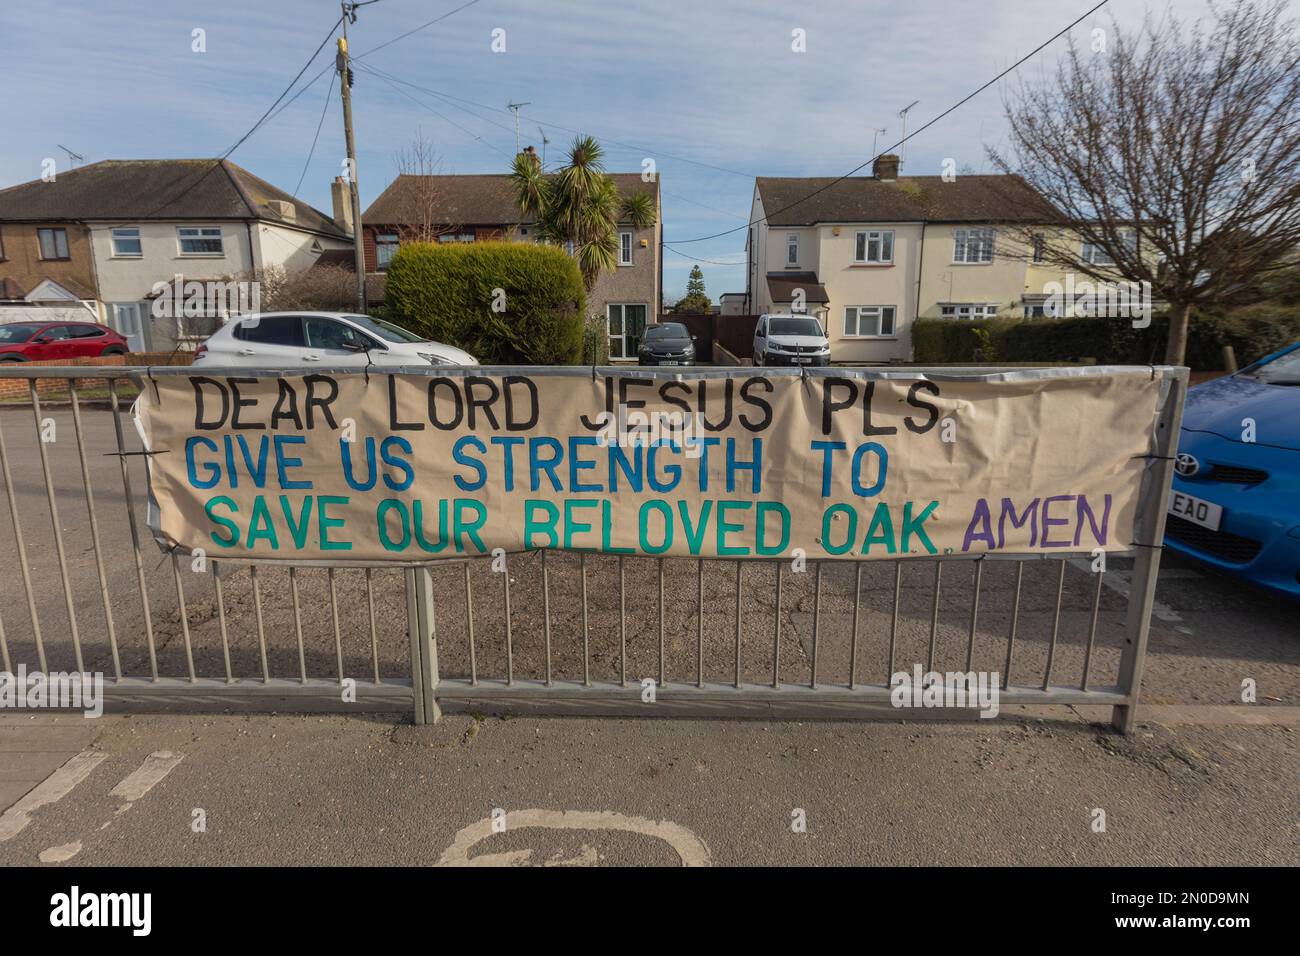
(1235, 503)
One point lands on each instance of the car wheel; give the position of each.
(114, 350)
(12, 358)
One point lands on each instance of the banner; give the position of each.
(840, 463)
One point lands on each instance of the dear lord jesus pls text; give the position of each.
(583, 464)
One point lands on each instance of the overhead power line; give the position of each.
(965, 99)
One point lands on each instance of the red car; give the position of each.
(41, 341)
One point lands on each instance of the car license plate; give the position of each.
(670, 362)
(802, 360)
(1196, 510)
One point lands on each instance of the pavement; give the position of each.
(302, 789)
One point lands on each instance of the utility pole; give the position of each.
(515, 108)
(875, 133)
(344, 66)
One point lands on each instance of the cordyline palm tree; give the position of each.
(580, 204)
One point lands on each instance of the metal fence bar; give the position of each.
(857, 611)
(56, 527)
(221, 620)
(546, 612)
(586, 631)
(622, 624)
(185, 615)
(699, 623)
(934, 615)
(1146, 567)
(370, 612)
(297, 623)
(261, 625)
(893, 624)
(1056, 627)
(510, 634)
(469, 624)
(334, 618)
(974, 614)
(5, 659)
(817, 622)
(663, 677)
(1092, 630)
(22, 558)
(94, 527)
(776, 630)
(1015, 621)
(135, 531)
(739, 569)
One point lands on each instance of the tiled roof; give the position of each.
(805, 201)
(781, 285)
(470, 200)
(133, 190)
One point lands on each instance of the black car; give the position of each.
(668, 343)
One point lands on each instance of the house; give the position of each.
(158, 249)
(46, 272)
(732, 303)
(483, 208)
(871, 254)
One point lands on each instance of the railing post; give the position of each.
(422, 630)
(1146, 566)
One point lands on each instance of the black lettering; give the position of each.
(484, 403)
(456, 401)
(198, 381)
(867, 427)
(393, 423)
(239, 403)
(766, 384)
(606, 416)
(322, 403)
(288, 399)
(702, 403)
(912, 400)
(673, 400)
(513, 425)
(830, 405)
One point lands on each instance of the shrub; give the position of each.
(1252, 333)
(446, 292)
(595, 340)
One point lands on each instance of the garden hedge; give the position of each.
(446, 292)
(1252, 333)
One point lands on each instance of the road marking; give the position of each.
(155, 768)
(1118, 581)
(50, 790)
(60, 854)
(690, 849)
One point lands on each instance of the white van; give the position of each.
(789, 339)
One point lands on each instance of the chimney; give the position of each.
(531, 153)
(341, 193)
(885, 168)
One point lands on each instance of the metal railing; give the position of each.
(549, 632)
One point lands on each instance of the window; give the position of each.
(862, 321)
(200, 242)
(327, 334)
(625, 248)
(126, 242)
(84, 331)
(1094, 254)
(792, 250)
(1040, 247)
(874, 246)
(2, 245)
(972, 245)
(386, 244)
(271, 330)
(54, 243)
(969, 310)
(456, 237)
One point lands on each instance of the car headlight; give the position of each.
(432, 358)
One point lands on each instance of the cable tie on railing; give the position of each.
(1155, 457)
(133, 454)
(1153, 547)
(148, 370)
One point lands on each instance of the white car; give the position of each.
(790, 340)
(324, 339)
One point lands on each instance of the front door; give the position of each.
(626, 326)
(125, 320)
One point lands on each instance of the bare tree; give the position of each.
(1172, 152)
(422, 163)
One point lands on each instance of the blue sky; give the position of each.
(712, 91)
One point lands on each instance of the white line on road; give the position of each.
(50, 790)
(1118, 582)
(155, 768)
